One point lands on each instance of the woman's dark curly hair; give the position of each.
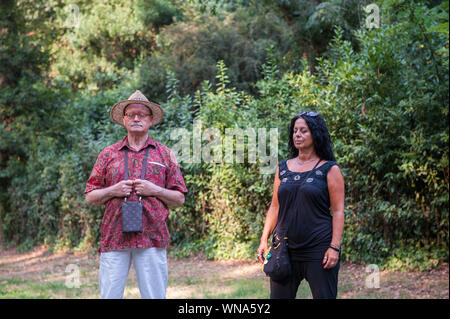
(320, 135)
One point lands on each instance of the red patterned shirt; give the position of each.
(162, 170)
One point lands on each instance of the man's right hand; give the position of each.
(122, 188)
(102, 195)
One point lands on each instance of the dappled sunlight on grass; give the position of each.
(41, 274)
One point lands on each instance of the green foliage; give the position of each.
(98, 42)
(392, 96)
(387, 109)
(383, 93)
(192, 47)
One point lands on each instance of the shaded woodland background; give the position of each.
(239, 63)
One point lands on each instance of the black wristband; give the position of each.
(338, 249)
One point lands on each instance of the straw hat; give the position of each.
(116, 112)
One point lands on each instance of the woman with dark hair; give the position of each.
(309, 193)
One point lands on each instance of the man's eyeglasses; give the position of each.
(131, 116)
(310, 113)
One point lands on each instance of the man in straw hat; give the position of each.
(120, 175)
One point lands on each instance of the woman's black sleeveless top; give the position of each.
(307, 203)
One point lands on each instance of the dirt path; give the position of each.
(42, 274)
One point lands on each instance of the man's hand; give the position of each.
(122, 188)
(102, 195)
(146, 188)
(171, 198)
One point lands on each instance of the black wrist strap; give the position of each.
(335, 247)
(338, 249)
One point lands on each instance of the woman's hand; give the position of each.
(262, 250)
(330, 259)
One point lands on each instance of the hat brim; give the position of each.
(116, 112)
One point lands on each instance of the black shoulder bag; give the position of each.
(132, 211)
(277, 264)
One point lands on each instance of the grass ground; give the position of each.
(40, 273)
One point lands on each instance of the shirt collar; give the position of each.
(149, 141)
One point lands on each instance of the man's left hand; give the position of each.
(146, 188)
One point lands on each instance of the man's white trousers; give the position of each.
(150, 265)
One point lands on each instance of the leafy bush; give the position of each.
(385, 103)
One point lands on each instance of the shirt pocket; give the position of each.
(156, 173)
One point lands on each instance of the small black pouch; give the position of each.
(132, 217)
(132, 211)
(278, 265)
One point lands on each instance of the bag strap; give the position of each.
(144, 167)
(302, 182)
(125, 177)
